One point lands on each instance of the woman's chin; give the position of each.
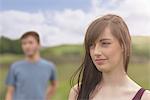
(103, 68)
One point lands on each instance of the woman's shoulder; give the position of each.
(74, 92)
(146, 95)
(75, 89)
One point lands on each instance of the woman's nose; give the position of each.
(97, 50)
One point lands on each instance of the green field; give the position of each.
(68, 58)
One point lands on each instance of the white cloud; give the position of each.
(69, 26)
(54, 27)
(136, 13)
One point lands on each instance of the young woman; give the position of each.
(103, 73)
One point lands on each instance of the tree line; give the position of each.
(10, 46)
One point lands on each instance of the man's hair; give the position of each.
(31, 33)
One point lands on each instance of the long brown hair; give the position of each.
(88, 75)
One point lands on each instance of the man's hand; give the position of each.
(10, 92)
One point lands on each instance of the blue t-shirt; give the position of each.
(30, 79)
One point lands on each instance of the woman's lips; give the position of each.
(100, 61)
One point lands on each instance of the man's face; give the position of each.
(30, 46)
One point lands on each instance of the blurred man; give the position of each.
(29, 79)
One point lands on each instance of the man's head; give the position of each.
(30, 42)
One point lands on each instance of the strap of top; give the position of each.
(139, 94)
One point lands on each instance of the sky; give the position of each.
(65, 21)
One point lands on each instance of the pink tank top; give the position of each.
(139, 94)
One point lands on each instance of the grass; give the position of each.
(7, 58)
(140, 73)
(3, 73)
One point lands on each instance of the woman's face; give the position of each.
(106, 52)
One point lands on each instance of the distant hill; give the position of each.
(140, 48)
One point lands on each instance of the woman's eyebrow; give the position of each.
(104, 39)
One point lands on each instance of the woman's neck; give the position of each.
(117, 77)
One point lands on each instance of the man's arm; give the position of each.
(10, 92)
(51, 89)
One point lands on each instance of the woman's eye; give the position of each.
(105, 43)
(92, 45)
